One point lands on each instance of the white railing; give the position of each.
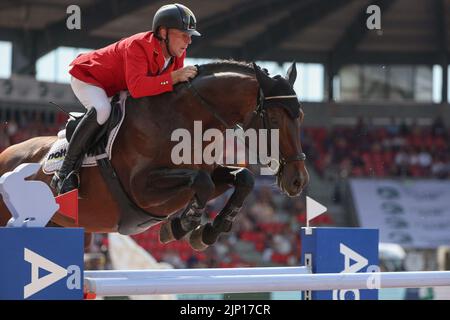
(121, 283)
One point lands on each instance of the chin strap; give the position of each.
(166, 41)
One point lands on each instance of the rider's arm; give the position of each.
(139, 84)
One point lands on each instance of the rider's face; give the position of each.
(179, 41)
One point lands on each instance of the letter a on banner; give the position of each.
(39, 262)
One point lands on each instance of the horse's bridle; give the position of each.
(260, 111)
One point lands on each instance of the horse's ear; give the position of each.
(264, 80)
(291, 74)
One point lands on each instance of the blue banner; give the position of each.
(339, 250)
(41, 263)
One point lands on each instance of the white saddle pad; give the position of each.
(54, 158)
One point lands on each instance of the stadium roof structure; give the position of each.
(413, 31)
(330, 32)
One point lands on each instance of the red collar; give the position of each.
(157, 50)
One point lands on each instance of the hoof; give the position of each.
(166, 233)
(196, 240)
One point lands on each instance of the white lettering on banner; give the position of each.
(411, 213)
(349, 254)
(74, 280)
(37, 284)
(374, 281)
(360, 263)
(57, 273)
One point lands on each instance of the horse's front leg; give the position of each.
(243, 181)
(167, 185)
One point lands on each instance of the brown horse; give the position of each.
(223, 94)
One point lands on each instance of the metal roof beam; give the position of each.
(301, 56)
(441, 26)
(238, 16)
(302, 15)
(92, 17)
(30, 45)
(24, 54)
(10, 34)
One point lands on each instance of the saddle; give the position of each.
(103, 140)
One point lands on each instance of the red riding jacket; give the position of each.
(134, 64)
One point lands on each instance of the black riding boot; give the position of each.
(67, 179)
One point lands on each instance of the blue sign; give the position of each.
(41, 263)
(339, 250)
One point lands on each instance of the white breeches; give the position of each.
(92, 96)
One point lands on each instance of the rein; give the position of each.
(206, 105)
(260, 110)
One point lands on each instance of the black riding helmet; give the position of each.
(175, 16)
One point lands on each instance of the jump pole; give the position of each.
(263, 283)
(204, 272)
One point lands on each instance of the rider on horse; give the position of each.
(145, 64)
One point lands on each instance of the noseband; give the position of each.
(260, 110)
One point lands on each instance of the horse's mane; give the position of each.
(226, 66)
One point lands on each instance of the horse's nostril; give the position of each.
(297, 182)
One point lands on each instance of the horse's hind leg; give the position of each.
(201, 184)
(243, 181)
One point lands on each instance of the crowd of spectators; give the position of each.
(22, 125)
(380, 151)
